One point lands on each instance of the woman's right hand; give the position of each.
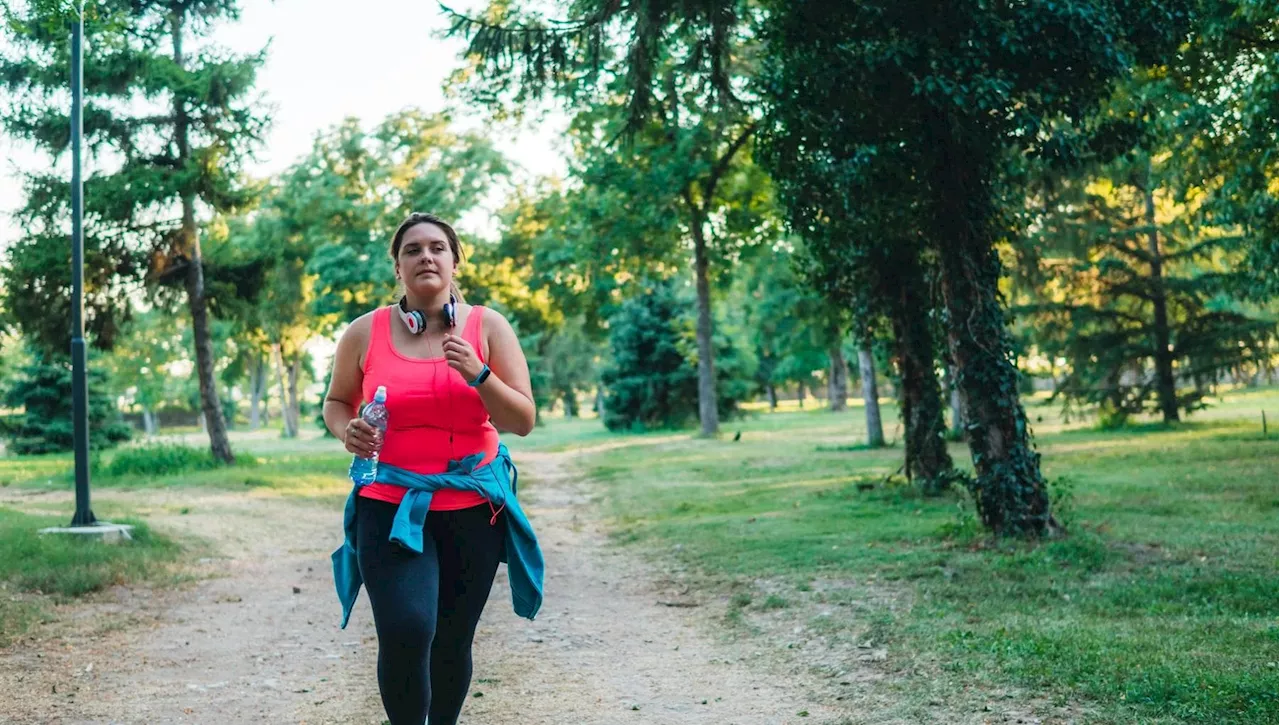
(361, 438)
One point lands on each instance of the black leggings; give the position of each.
(426, 606)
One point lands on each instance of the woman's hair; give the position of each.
(419, 217)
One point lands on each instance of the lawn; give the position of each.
(38, 570)
(1160, 605)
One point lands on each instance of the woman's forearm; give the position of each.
(509, 409)
(337, 415)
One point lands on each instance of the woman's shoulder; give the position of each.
(360, 328)
(491, 317)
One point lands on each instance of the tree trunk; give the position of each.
(957, 410)
(1165, 386)
(219, 444)
(570, 404)
(925, 446)
(870, 397)
(294, 416)
(1009, 489)
(148, 421)
(800, 396)
(257, 391)
(771, 392)
(287, 381)
(707, 412)
(837, 379)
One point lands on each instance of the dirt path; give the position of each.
(259, 642)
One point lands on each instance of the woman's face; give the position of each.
(425, 263)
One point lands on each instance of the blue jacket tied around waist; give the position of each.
(495, 481)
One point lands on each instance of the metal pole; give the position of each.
(79, 382)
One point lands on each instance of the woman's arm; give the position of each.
(507, 394)
(344, 396)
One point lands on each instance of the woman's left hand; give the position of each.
(462, 357)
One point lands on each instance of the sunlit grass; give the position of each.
(1159, 607)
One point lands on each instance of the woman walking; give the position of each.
(425, 538)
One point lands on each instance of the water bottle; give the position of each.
(365, 470)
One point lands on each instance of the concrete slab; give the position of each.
(104, 531)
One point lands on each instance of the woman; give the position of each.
(454, 374)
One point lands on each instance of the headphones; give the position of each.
(417, 322)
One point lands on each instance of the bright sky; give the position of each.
(330, 59)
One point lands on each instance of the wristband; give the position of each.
(483, 376)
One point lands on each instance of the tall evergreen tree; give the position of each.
(169, 119)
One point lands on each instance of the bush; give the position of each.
(164, 460)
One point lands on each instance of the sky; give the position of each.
(330, 59)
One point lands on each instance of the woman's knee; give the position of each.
(408, 628)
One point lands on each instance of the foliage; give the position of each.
(337, 208)
(169, 121)
(153, 461)
(910, 113)
(648, 381)
(44, 393)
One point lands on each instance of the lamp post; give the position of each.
(79, 379)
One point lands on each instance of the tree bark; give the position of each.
(771, 392)
(294, 417)
(219, 444)
(927, 459)
(1166, 388)
(1009, 489)
(800, 396)
(957, 410)
(148, 421)
(708, 415)
(257, 390)
(570, 404)
(870, 397)
(837, 379)
(288, 380)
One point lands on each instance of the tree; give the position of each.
(648, 381)
(922, 106)
(43, 391)
(680, 174)
(1222, 87)
(169, 122)
(1127, 283)
(141, 363)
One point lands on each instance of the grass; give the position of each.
(314, 468)
(37, 570)
(1161, 605)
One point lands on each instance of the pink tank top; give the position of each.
(433, 416)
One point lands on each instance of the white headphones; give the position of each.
(417, 322)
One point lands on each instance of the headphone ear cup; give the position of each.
(417, 323)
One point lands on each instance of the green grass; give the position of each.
(311, 469)
(1160, 606)
(36, 569)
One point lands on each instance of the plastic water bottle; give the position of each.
(365, 470)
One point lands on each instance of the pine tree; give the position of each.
(169, 120)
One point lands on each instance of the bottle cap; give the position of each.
(380, 396)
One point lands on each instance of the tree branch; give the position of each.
(722, 165)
